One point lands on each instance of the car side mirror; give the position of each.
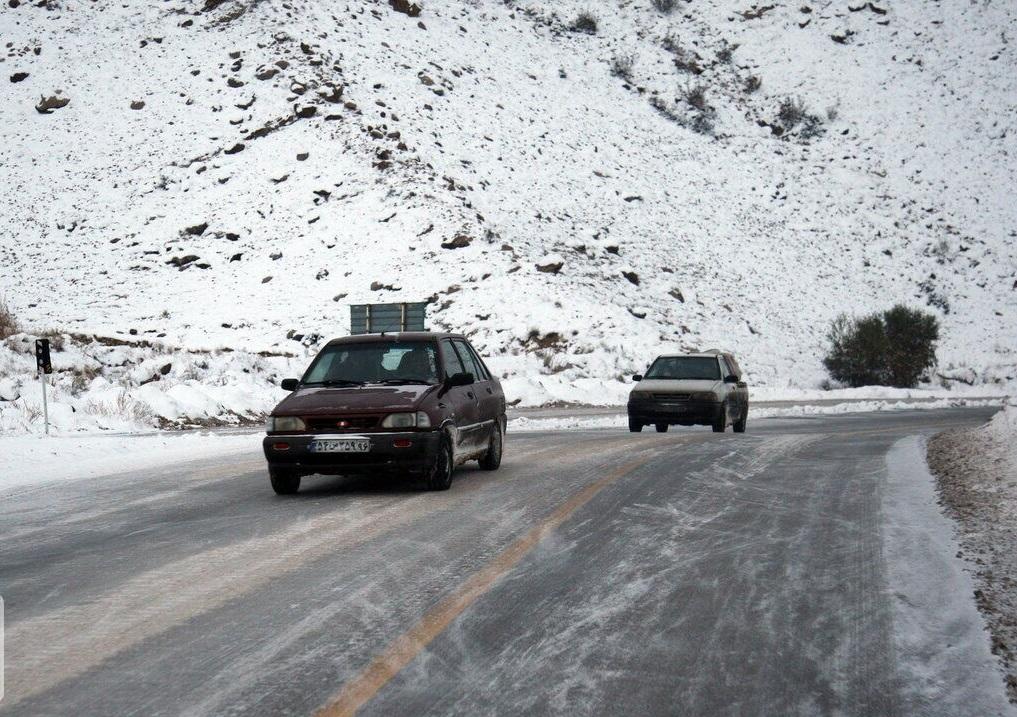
(731, 379)
(460, 379)
(638, 377)
(289, 384)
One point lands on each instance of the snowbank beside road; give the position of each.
(103, 384)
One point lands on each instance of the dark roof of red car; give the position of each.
(396, 336)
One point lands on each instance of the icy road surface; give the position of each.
(598, 572)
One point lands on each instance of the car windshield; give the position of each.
(685, 368)
(355, 364)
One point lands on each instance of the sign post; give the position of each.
(42, 362)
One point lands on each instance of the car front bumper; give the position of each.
(682, 413)
(384, 456)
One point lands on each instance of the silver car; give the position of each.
(703, 389)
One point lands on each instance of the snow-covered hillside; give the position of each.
(231, 173)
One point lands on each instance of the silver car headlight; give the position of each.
(704, 396)
(285, 423)
(407, 420)
(639, 395)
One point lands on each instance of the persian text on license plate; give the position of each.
(341, 445)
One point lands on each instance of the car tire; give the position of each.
(661, 428)
(283, 482)
(439, 475)
(739, 425)
(635, 426)
(720, 422)
(492, 459)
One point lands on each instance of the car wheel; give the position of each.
(492, 459)
(720, 422)
(439, 476)
(739, 425)
(635, 426)
(661, 428)
(284, 483)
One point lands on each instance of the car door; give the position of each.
(488, 400)
(461, 402)
(731, 391)
(743, 388)
(480, 429)
(492, 398)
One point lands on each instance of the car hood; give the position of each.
(657, 385)
(319, 400)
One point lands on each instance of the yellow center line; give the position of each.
(356, 693)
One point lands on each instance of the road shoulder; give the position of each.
(945, 664)
(976, 473)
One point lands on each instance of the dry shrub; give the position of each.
(8, 324)
(586, 22)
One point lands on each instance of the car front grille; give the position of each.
(672, 396)
(341, 424)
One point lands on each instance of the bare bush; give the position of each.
(663, 6)
(586, 22)
(695, 95)
(685, 60)
(56, 339)
(31, 412)
(8, 324)
(665, 110)
(726, 52)
(622, 66)
(83, 379)
(123, 407)
(698, 120)
(792, 114)
(702, 123)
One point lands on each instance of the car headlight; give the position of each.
(704, 396)
(285, 423)
(639, 395)
(407, 420)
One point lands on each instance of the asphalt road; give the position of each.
(598, 572)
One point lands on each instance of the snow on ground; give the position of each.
(232, 177)
(32, 460)
(101, 384)
(940, 638)
(976, 471)
(119, 386)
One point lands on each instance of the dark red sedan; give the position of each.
(415, 403)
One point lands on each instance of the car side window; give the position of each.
(450, 359)
(725, 370)
(484, 374)
(467, 359)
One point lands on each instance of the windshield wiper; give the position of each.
(335, 382)
(405, 381)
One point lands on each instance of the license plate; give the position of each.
(341, 445)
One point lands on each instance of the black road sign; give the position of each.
(42, 356)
